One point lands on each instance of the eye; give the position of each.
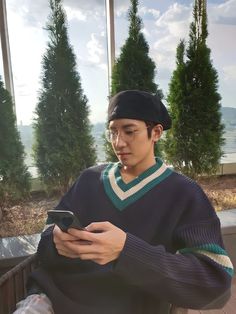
(129, 132)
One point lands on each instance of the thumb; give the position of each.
(99, 226)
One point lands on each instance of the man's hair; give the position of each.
(150, 125)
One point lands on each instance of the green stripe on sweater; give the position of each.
(215, 253)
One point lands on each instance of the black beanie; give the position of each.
(138, 105)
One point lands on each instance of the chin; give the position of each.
(123, 162)
(126, 163)
(128, 160)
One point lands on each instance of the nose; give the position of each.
(119, 142)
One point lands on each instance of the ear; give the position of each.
(157, 132)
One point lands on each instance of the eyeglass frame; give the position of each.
(108, 134)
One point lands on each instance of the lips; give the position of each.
(123, 154)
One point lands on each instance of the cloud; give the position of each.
(33, 13)
(75, 14)
(175, 20)
(121, 8)
(145, 32)
(27, 45)
(95, 50)
(229, 73)
(149, 13)
(171, 26)
(224, 13)
(85, 5)
(103, 66)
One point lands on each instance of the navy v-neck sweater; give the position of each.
(173, 253)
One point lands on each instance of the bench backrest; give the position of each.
(13, 284)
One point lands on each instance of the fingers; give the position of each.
(61, 240)
(62, 236)
(101, 242)
(73, 248)
(94, 232)
(95, 227)
(99, 226)
(82, 234)
(95, 256)
(80, 249)
(67, 254)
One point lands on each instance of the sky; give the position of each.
(164, 24)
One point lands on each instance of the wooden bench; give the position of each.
(13, 283)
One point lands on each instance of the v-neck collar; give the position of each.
(123, 194)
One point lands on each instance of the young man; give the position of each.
(152, 237)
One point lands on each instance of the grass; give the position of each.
(221, 191)
(36, 185)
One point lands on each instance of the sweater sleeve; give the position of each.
(75, 200)
(46, 252)
(197, 276)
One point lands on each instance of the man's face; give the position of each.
(130, 142)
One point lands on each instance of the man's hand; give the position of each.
(101, 242)
(61, 240)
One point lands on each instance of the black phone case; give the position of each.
(64, 219)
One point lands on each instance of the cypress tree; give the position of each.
(200, 129)
(177, 137)
(14, 176)
(133, 69)
(63, 142)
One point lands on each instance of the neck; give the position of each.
(135, 171)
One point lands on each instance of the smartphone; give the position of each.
(64, 219)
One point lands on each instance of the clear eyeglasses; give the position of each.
(127, 135)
